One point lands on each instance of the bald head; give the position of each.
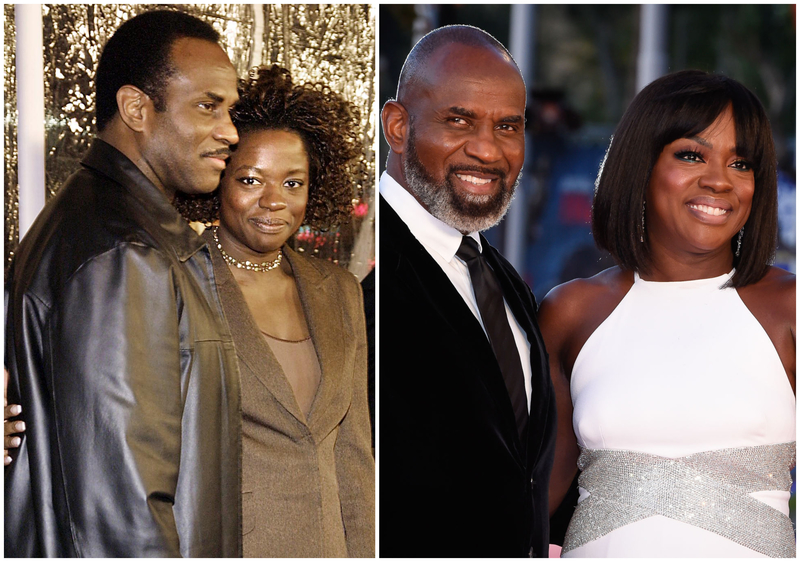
(420, 65)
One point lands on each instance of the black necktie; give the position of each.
(489, 295)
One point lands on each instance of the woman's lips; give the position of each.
(715, 211)
(710, 210)
(270, 225)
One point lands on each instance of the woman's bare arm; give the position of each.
(555, 323)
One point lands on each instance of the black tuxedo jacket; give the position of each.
(453, 479)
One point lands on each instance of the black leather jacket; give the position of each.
(121, 356)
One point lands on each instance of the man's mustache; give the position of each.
(224, 152)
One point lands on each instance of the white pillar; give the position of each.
(30, 106)
(521, 42)
(258, 36)
(651, 62)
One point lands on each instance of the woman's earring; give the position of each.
(739, 243)
(641, 237)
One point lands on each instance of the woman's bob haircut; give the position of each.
(682, 105)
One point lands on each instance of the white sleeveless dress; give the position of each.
(686, 421)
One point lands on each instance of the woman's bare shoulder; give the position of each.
(572, 311)
(776, 291)
(781, 280)
(572, 299)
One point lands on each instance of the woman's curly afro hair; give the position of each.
(328, 125)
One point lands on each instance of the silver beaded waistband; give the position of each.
(708, 490)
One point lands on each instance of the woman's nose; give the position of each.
(272, 199)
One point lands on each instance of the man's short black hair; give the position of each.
(138, 54)
(682, 105)
(461, 34)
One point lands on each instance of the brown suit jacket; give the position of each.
(308, 488)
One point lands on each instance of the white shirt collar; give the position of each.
(430, 231)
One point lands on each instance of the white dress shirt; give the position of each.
(442, 242)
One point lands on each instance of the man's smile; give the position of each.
(473, 179)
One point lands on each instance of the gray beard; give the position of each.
(464, 212)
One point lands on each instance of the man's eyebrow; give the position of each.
(458, 110)
(463, 112)
(214, 97)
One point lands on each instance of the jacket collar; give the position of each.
(110, 162)
(324, 312)
(434, 235)
(324, 317)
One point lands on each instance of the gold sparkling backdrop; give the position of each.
(11, 228)
(333, 44)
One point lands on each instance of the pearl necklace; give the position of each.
(265, 266)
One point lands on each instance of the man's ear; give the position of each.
(134, 106)
(396, 125)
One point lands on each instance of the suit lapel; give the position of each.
(325, 318)
(418, 271)
(251, 348)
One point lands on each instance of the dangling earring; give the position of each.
(641, 238)
(739, 243)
